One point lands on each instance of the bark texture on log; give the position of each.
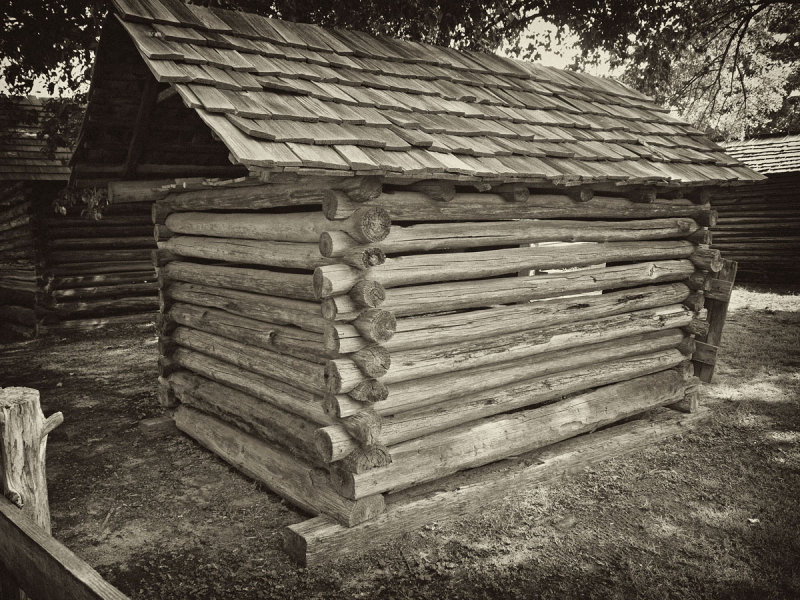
(487, 440)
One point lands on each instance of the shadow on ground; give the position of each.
(711, 514)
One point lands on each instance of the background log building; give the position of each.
(30, 181)
(65, 272)
(759, 224)
(424, 262)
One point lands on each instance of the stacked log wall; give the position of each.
(99, 271)
(369, 338)
(759, 227)
(20, 258)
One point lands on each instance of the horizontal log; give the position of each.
(246, 412)
(106, 291)
(472, 492)
(414, 206)
(111, 279)
(415, 394)
(367, 225)
(247, 331)
(75, 325)
(94, 256)
(441, 236)
(300, 373)
(495, 438)
(96, 229)
(105, 306)
(247, 197)
(56, 223)
(266, 389)
(100, 242)
(336, 442)
(290, 255)
(427, 299)
(263, 281)
(280, 471)
(272, 309)
(15, 222)
(497, 340)
(428, 268)
(101, 267)
(137, 191)
(433, 360)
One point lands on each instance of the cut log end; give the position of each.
(371, 224)
(369, 189)
(368, 293)
(696, 301)
(643, 195)
(323, 287)
(376, 325)
(513, 192)
(441, 191)
(366, 458)
(580, 194)
(373, 361)
(325, 445)
(364, 258)
(370, 391)
(707, 259)
(365, 427)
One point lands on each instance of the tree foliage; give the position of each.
(730, 66)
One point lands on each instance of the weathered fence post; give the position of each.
(23, 442)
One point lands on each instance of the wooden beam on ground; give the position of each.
(320, 540)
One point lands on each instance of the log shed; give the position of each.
(31, 179)
(759, 223)
(433, 276)
(62, 269)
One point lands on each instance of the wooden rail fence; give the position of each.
(33, 564)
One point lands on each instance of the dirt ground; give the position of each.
(713, 514)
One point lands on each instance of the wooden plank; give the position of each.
(320, 540)
(717, 313)
(43, 567)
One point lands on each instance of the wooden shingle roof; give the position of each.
(297, 97)
(769, 155)
(23, 154)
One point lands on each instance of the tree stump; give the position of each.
(23, 441)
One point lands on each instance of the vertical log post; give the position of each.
(705, 357)
(23, 441)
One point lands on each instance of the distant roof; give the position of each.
(768, 155)
(23, 155)
(290, 96)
